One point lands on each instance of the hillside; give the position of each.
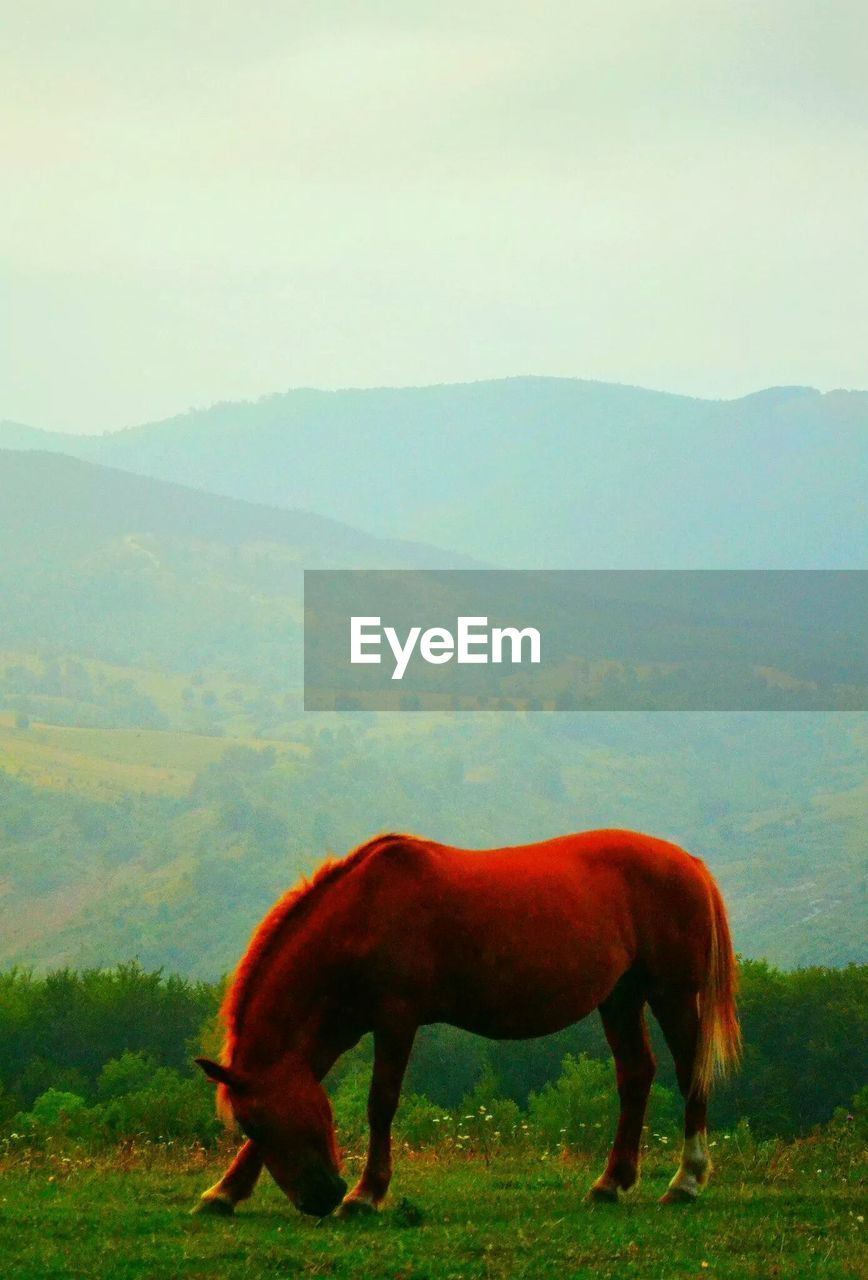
(122, 567)
(170, 846)
(105, 565)
(157, 776)
(54, 504)
(535, 472)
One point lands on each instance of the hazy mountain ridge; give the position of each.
(538, 472)
(107, 564)
(82, 503)
(104, 563)
(196, 598)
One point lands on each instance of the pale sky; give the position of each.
(206, 201)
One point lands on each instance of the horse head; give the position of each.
(286, 1112)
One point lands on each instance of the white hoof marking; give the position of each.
(695, 1166)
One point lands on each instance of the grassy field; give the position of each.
(165, 687)
(106, 763)
(797, 1211)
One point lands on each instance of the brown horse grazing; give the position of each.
(508, 943)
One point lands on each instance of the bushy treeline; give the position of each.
(61, 1030)
(106, 1055)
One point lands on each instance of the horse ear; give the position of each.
(218, 1074)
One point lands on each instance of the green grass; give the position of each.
(105, 763)
(518, 1216)
(165, 687)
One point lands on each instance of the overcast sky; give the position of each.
(207, 201)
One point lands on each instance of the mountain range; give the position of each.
(101, 562)
(533, 472)
(156, 773)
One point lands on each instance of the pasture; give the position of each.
(777, 1210)
(108, 764)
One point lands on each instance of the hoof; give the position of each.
(355, 1208)
(603, 1195)
(677, 1195)
(219, 1206)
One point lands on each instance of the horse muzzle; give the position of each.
(321, 1195)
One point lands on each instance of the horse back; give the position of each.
(487, 933)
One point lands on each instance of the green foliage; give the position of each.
(859, 1115)
(63, 1030)
(171, 1108)
(417, 1122)
(167, 1108)
(132, 1072)
(178, 865)
(580, 1108)
(350, 1099)
(56, 1117)
(491, 1111)
(120, 1041)
(805, 1034)
(55, 1108)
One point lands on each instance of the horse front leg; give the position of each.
(236, 1184)
(392, 1046)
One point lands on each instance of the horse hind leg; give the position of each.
(678, 1015)
(623, 1016)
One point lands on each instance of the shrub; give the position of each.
(56, 1114)
(55, 1108)
(418, 1121)
(171, 1108)
(580, 1108)
(350, 1103)
(487, 1119)
(132, 1072)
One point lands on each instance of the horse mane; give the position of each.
(271, 929)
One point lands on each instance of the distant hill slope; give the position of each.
(104, 564)
(16, 435)
(170, 846)
(151, 633)
(536, 472)
(72, 505)
(98, 561)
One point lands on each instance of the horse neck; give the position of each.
(288, 1011)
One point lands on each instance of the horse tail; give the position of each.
(719, 1048)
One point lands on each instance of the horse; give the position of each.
(509, 943)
